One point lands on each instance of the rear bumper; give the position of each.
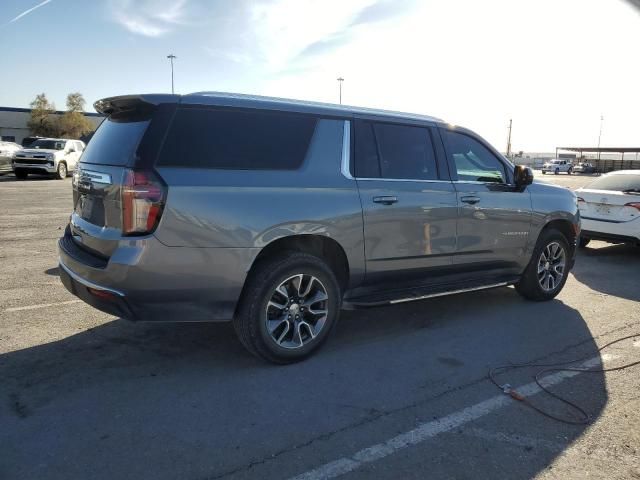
(107, 300)
(147, 281)
(623, 232)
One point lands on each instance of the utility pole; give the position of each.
(340, 80)
(171, 57)
(509, 140)
(600, 135)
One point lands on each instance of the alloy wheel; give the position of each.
(551, 266)
(297, 311)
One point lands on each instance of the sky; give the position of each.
(553, 66)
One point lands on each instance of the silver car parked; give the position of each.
(275, 214)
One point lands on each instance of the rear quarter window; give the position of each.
(237, 140)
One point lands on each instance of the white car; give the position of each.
(7, 150)
(610, 208)
(557, 165)
(57, 156)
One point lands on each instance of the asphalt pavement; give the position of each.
(398, 392)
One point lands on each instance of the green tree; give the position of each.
(73, 124)
(41, 122)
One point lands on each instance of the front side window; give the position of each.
(391, 151)
(237, 140)
(473, 161)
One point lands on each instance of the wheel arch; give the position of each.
(321, 246)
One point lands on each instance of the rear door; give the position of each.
(409, 206)
(96, 222)
(494, 217)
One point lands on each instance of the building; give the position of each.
(13, 122)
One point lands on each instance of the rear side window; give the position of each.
(473, 161)
(394, 151)
(237, 140)
(115, 141)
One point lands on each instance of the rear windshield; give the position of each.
(115, 141)
(617, 183)
(237, 140)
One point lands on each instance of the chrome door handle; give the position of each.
(385, 199)
(472, 200)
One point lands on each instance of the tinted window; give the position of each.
(48, 144)
(202, 138)
(367, 164)
(473, 161)
(115, 141)
(394, 151)
(617, 182)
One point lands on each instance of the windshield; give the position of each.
(48, 144)
(618, 183)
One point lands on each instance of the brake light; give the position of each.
(635, 205)
(143, 198)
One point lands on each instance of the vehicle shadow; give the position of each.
(126, 400)
(610, 269)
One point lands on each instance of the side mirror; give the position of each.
(522, 176)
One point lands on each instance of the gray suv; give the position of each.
(275, 214)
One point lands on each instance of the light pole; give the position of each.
(171, 57)
(600, 135)
(509, 140)
(340, 80)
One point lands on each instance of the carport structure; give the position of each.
(608, 165)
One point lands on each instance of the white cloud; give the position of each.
(29, 10)
(149, 18)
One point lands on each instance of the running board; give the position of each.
(452, 292)
(412, 295)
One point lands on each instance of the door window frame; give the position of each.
(506, 166)
(441, 163)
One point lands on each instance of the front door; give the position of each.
(409, 211)
(494, 217)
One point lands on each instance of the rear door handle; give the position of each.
(470, 199)
(385, 199)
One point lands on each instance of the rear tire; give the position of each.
(583, 242)
(264, 320)
(61, 172)
(543, 172)
(21, 174)
(551, 252)
(570, 171)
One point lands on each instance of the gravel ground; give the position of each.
(398, 392)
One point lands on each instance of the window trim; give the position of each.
(430, 131)
(454, 171)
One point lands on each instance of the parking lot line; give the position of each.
(433, 428)
(41, 305)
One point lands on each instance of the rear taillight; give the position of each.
(635, 205)
(143, 197)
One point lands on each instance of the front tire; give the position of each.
(570, 171)
(61, 172)
(557, 172)
(288, 307)
(21, 174)
(548, 269)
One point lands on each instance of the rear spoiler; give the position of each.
(130, 103)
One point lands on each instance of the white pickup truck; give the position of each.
(557, 165)
(57, 156)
